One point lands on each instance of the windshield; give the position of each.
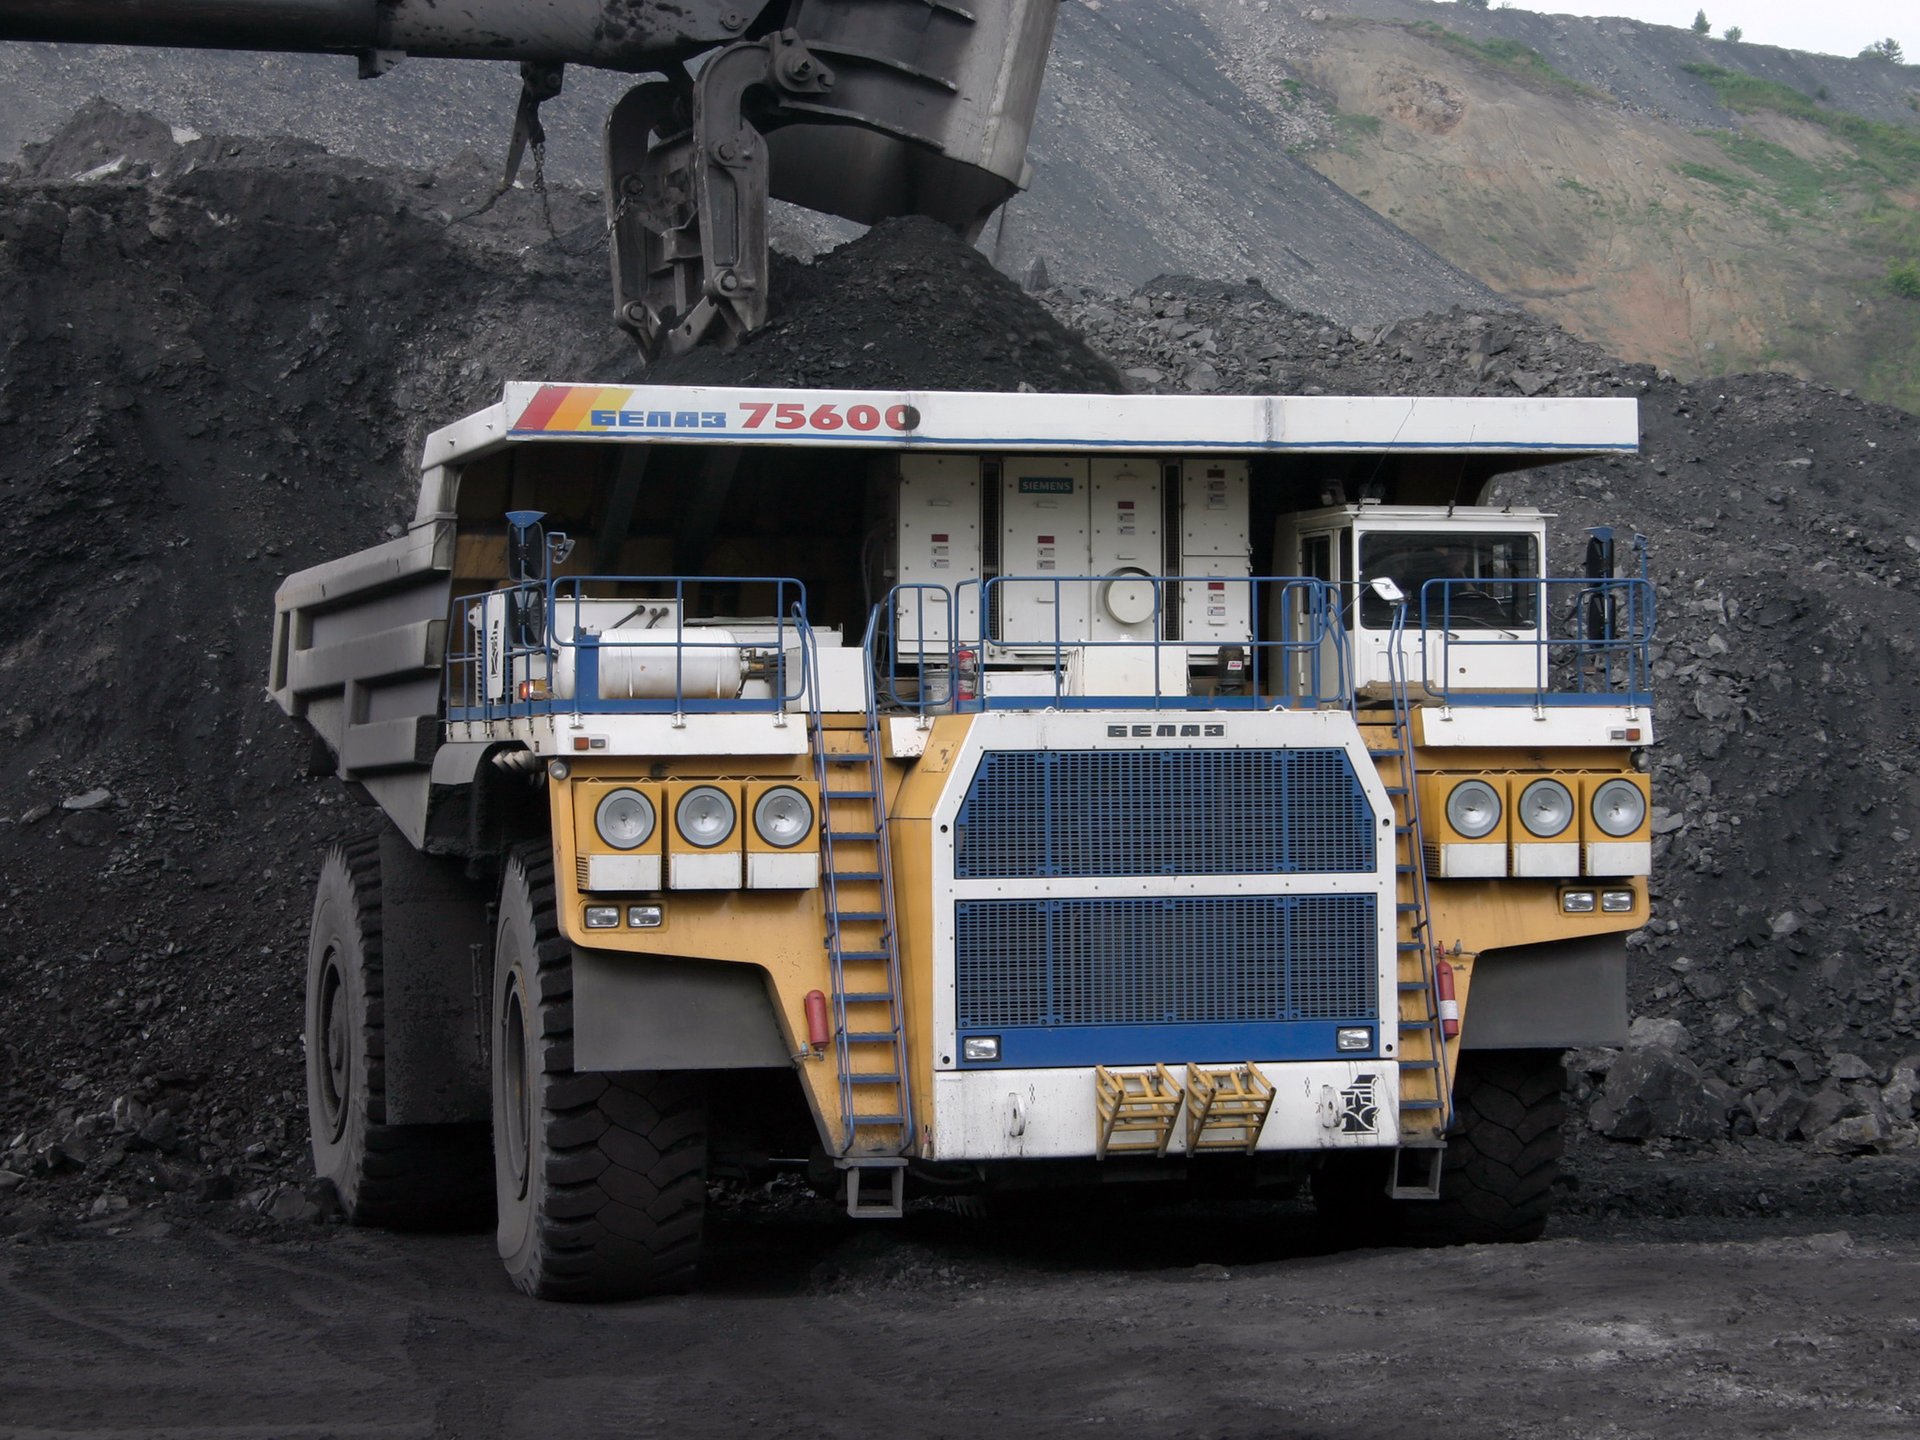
(1485, 577)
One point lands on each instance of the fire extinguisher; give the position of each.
(1449, 1006)
(817, 1032)
(966, 674)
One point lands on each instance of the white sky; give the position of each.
(1829, 27)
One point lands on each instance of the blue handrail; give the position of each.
(1604, 656)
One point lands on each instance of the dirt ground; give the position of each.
(1136, 1318)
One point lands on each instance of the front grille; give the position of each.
(1038, 813)
(1165, 961)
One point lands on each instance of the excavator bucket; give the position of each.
(866, 109)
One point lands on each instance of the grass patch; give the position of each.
(1350, 132)
(1567, 182)
(1733, 185)
(1904, 280)
(1890, 151)
(1508, 55)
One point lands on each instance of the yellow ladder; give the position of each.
(869, 1034)
(1423, 1055)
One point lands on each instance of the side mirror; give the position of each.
(1386, 590)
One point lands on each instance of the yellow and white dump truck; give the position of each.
(966, 791)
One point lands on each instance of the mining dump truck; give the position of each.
(957, 793)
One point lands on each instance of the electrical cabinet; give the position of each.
(1216, 553)
(1126, 549)
(1043, 535)
(936, 543)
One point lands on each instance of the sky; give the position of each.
(1828, 27)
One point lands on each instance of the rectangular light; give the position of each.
(603, 917)
(646, 917)
(1616, 902)
(1577, 902)
(1353, 1037)
(980, 1047)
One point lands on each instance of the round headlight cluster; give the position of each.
(1546, 808)
(624, 819)
(704, 816)
(783, 816)
(1473, 808)
(1619, 807)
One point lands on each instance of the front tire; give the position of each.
(1496, 1180)
(404, 1177)
(1496, 1185)
(599, 1178)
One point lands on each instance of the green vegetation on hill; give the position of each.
(1893, 150)
(1508, 55)
(1866, 196)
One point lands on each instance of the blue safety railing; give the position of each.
(931, 648)
(1302, 665)
(917, 620)
(544, 661)
(1594, 647)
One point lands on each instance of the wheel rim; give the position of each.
(336, 1039)
(516, 1091)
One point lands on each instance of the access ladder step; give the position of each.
(846, 757)
(886, 1037)
(851, 877)
(884, 1202)
(1416, 1173)
(854, 836)
(866, 954)
(873, 1080)
(846, 794)
(867, 997)
(1419, 1104)
(844, 916)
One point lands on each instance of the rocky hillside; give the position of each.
(1707, 206)
(1691, 202)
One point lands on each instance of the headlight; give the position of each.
(624, 819)
(1546, 808)
(705, 816)
(1473, 809)
(1619, 807)
(783, 817)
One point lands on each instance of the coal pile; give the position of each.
(218, 359)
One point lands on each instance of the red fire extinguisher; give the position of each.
(966, 674)
(817, 1032)
(1449, 1006)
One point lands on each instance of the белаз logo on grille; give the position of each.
(1164, 732)
(1359, 1111)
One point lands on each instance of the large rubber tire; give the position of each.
(1496, 1185)
(405, 1177)
(599, 1179)
(1496, 1180)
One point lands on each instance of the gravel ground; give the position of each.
(217, 360)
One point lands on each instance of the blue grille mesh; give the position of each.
(1164, 812)
(1149, 962)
